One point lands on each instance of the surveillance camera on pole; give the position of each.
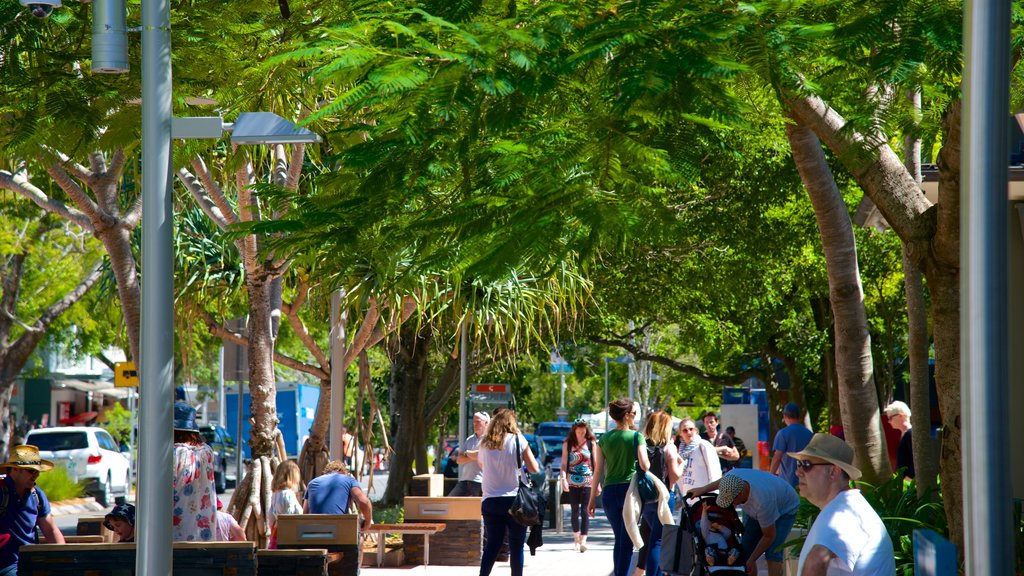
(109, 32)
(41, 8)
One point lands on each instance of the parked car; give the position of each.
(225, 452)
(89, 455)
(553, 434)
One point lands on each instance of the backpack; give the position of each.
(656, 455)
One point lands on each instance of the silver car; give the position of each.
(89, 454)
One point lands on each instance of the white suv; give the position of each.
(89, 454)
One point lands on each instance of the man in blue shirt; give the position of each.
(793, 438)
(23, 506)
(331, 493)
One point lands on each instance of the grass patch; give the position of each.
(57, 485)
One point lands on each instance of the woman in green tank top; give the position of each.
(615, 459)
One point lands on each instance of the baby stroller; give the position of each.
(684, 550)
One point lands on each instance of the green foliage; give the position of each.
(58, 485)
(388, 514)
(118, 422)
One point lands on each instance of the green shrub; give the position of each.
(388, 514)
(57, 485)
(118, 423)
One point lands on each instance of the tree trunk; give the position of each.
(931, 236)
(116, 240)
(262, 385)
(925, 448)
(862, 421)
(409, 379)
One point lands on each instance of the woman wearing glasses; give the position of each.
(700, 461)
(576, 476)
(614, 459)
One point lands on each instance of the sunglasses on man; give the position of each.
(806, 465)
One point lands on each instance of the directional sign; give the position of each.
(125, 375)
(500, 388)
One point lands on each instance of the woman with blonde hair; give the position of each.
(501, 456)
(285, 500)
(667, 466)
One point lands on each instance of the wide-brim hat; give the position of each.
(125, 511)
(185, 417)
(832, 450)
(27, 456)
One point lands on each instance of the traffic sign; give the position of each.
(125, 375)
(491, 388)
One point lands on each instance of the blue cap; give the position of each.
(126, 511)
(791, 410)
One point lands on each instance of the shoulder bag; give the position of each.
(529, 504)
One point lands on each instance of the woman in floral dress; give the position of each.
(195, 499)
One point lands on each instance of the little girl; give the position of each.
(284, 500)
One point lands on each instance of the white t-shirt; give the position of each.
(500, 468)
(700, 467)
(852, 530)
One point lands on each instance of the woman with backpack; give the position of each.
(616, 454)
(667, 466)
(576, 476)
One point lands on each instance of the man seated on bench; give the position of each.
(23, 506)
(333, 491)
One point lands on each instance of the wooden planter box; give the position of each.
(461, 542)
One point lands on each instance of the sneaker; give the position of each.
(583, 548)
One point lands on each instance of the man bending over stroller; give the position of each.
(770, 504)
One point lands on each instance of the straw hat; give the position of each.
(832, 450)
(27, 456)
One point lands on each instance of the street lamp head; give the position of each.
(268, 128)
(41, 8)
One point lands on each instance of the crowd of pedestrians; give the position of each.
(818, 467)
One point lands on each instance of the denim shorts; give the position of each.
(752, 533)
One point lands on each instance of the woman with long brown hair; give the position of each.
(501, 451)
(615, 453)
(576, 477)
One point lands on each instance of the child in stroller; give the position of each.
(716, 536)
(721, 545)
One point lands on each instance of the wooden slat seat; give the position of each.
(426, 529)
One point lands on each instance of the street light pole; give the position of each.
(605, 393)
(156, 390)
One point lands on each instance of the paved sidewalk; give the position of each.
(555, 558)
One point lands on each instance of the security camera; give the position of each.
(41, 8)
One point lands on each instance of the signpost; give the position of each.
(561, 367)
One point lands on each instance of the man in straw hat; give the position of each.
(23, 506)
(770, 505)
(847, 537)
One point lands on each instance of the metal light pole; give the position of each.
(606, 400)
(156, 392)
(463, 378)
(988, 524)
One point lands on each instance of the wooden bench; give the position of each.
(426, 529)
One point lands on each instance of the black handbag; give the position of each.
(529, 504)
(645, 487)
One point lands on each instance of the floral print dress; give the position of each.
(195, 499)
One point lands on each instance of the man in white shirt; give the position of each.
(848, 537)
(470, 473)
